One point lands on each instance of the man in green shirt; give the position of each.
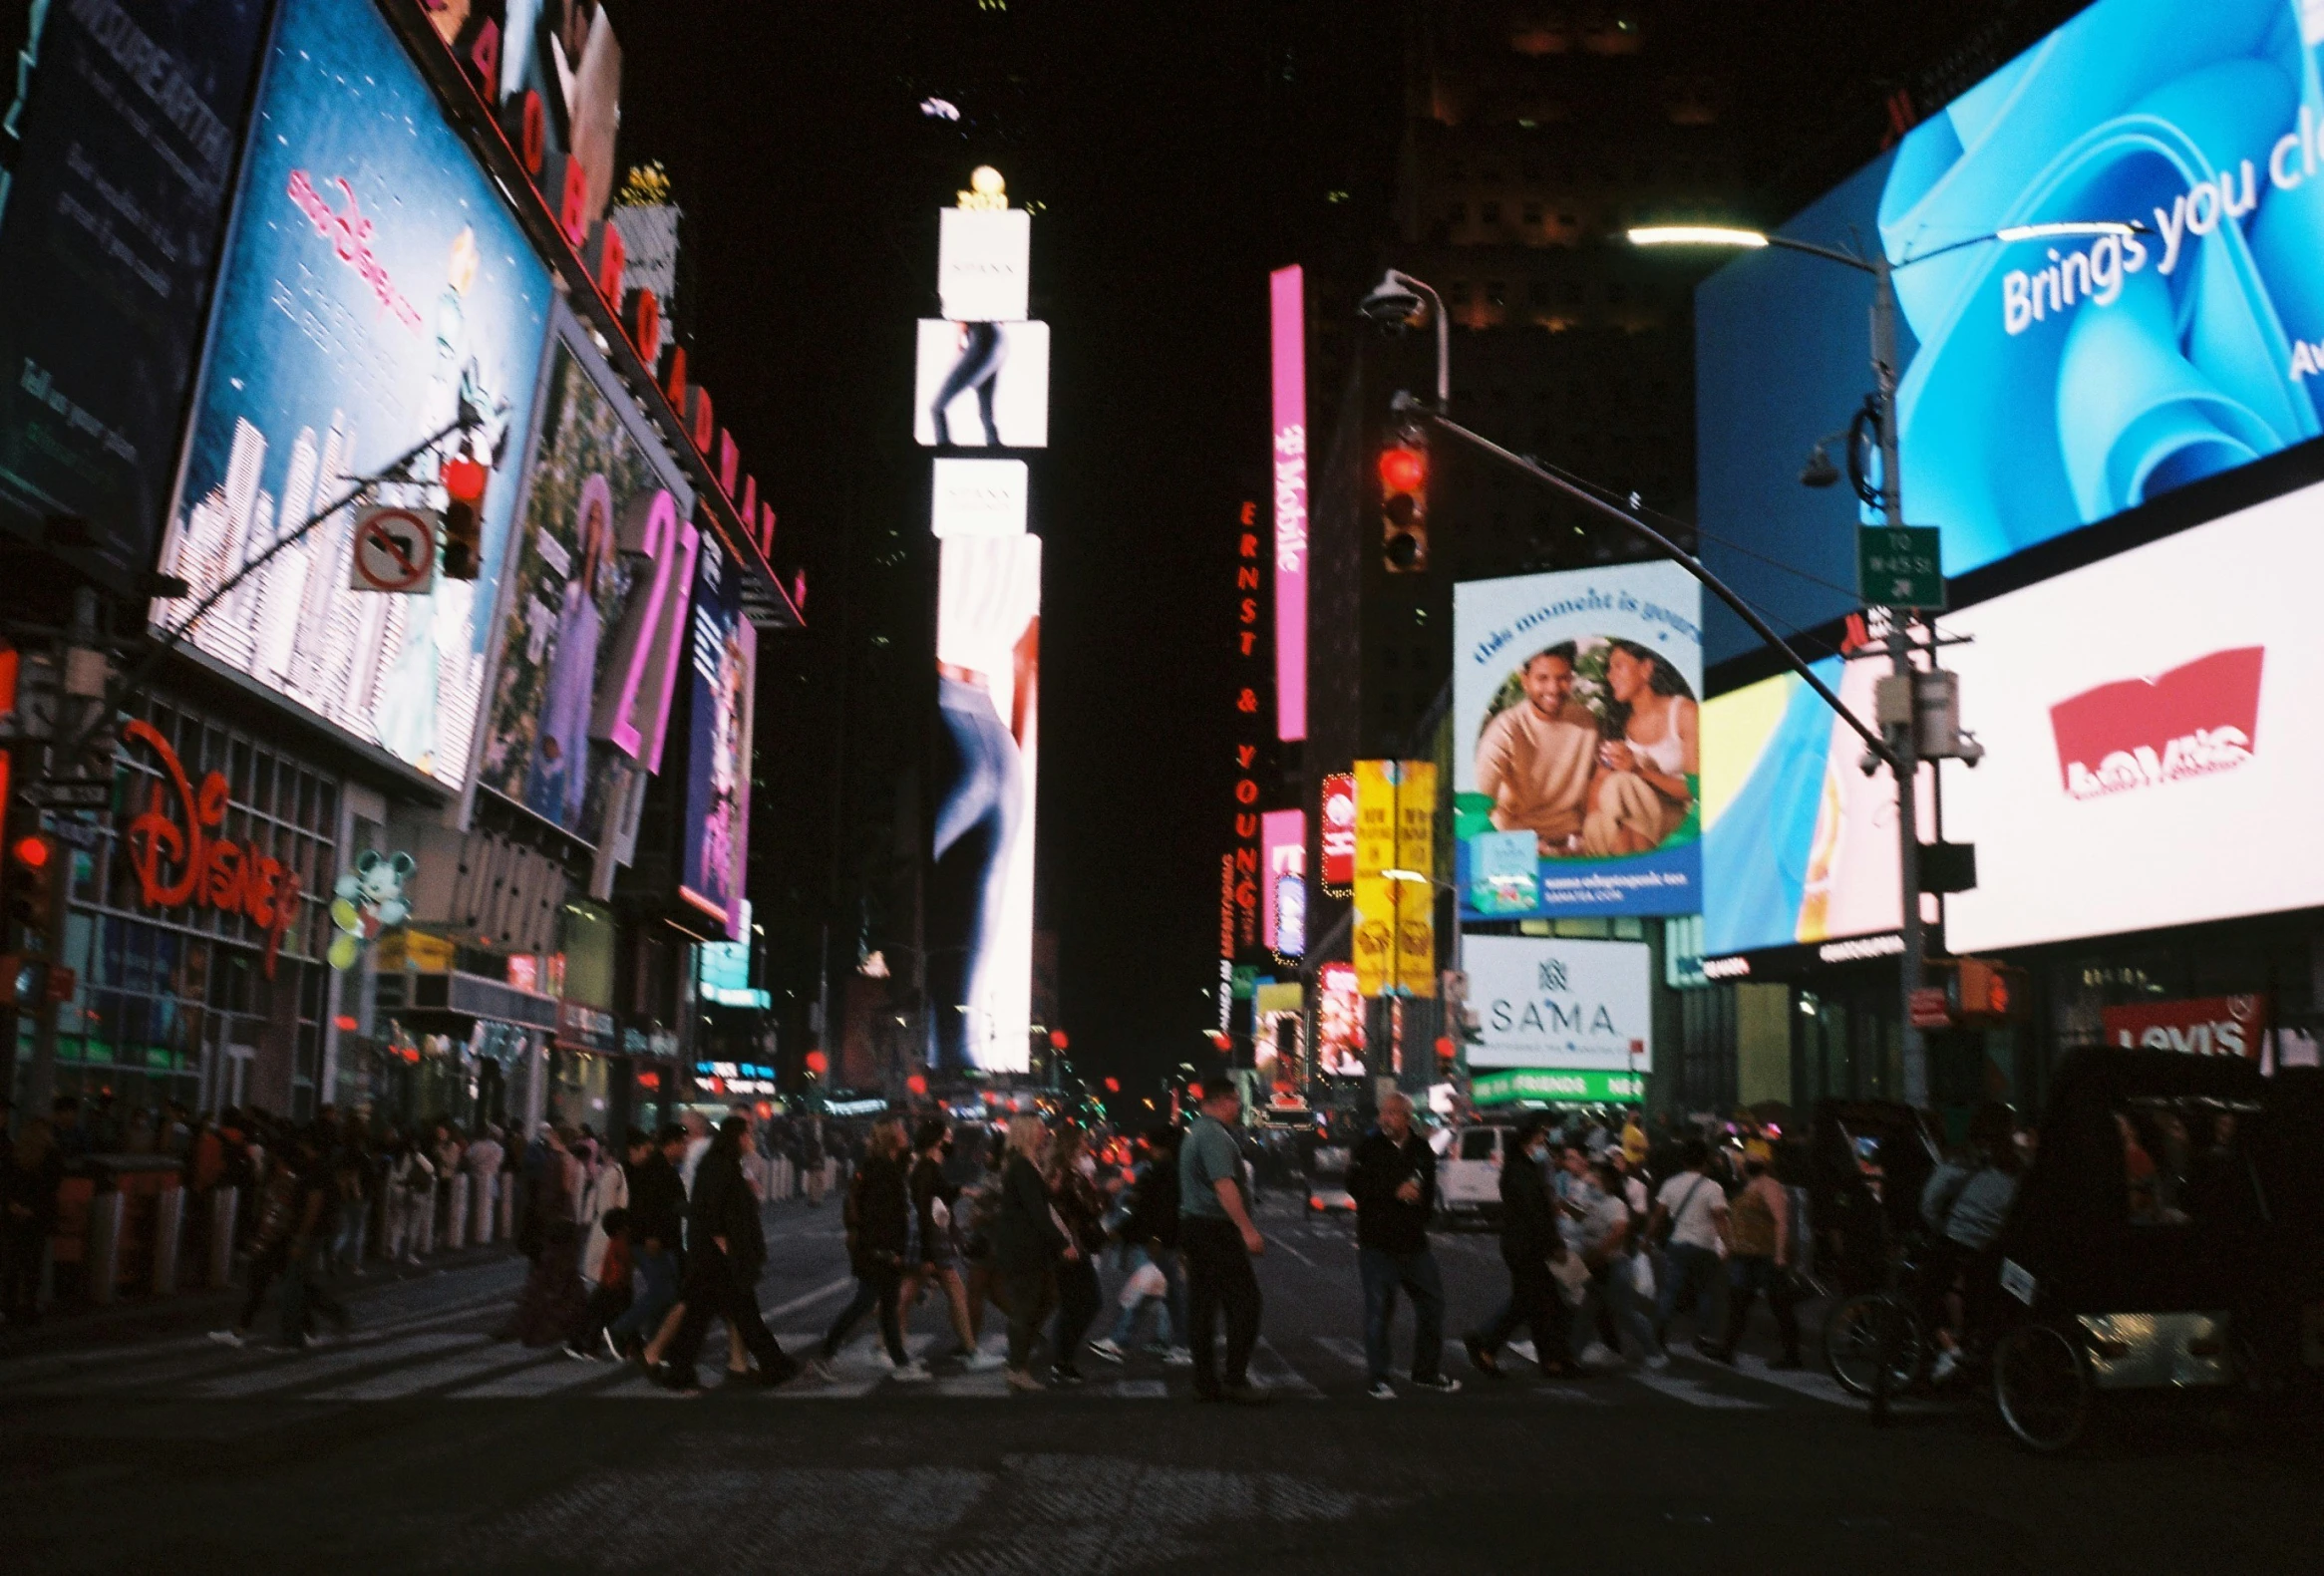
(1216, 1239)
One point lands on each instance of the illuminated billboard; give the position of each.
(1339, 1021)
(722, 664)
(594, 621)
(2143, 771)
(1561, 1005)
(1574, 731)
(1393, 931)
(978, 497)
(1283, 897)
(566, 50)
(982, 385)
(125, 126)
(374, 279)
(1799, 844)
(984, 263)
(2049, 382)
(981, 881)
(1287, 338)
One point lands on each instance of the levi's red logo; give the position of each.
(2198, 719)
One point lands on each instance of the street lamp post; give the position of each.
(1902, 734)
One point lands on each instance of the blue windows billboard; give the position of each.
(2048, 383)
(374, 277)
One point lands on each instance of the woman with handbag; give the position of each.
(935, 1256)
(1760, 1237)
(1082, 1211)
(1029, 1242)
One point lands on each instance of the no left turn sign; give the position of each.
(395, 549)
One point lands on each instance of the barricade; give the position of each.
(224, 1209)
(507, 1205)
(456, 1214)
(487, 1190)
(169, 1238)
(103, 1265)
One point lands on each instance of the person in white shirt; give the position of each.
(1693, 1206)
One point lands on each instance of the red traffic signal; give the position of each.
(1112, 1085)
(32, 851)
(464, 516)
(1403, 470)
(1404, 505)
(1057, 1039)
(817, 1064)
(917, 1084)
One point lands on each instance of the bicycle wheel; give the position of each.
(1851, 1344)
(2042, 1387)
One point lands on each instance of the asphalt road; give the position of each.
(420, 1445)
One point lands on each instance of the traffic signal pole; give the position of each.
(1903, 741)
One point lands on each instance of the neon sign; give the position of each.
(210, 870)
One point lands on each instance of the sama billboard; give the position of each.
(2049, 383)
(374, 279)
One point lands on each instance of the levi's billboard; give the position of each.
(2152, 745)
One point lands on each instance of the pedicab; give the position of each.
(2153, 1249)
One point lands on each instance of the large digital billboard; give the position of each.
(984, 269)
(1575, 763)
(373, 280)
(2049, 382)
(1543, 1002)
(2146, 770)
(980, 881)
(595, 619)
(722, 668)
(982, 385)
(1799, 844)
(127, 124)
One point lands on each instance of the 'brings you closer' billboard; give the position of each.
(2049, 382)
(1575, 758)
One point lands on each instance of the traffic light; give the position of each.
(32, 877)
(464, 516)
(1984, 995)
(1404, 504)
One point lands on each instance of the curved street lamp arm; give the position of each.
(1685, 561)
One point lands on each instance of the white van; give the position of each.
(1469, 1171)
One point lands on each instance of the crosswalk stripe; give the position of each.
(1271, 1369)
(286, 1370)
(401, 1381)
(1800, 1381)
(541, 1379)
(1693, 1393)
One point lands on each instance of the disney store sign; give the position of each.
(181, 861)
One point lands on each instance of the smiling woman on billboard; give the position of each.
(1580, 793)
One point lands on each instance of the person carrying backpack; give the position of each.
(1689, 1222)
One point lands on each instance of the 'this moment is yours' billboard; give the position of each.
(1575, 760)
(373, 280)
(2049, 382)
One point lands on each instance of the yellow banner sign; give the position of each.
(1395, 935)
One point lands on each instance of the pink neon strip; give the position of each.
(1287, 293)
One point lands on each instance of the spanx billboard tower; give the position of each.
(981, 391)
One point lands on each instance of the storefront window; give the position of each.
(175, 1002)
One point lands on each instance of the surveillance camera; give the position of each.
(1392, 304)
(1869, 764)
(1971, 750)
(1819, 471)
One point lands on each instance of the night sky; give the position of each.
(1177, 153)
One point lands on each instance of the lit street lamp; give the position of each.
(1903, 745)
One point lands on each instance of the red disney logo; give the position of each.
(211, 871)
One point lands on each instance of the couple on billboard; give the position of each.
(1600, 773)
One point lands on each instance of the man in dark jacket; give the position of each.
(657, 1213)
(728, 1248)
(1529, 1240)
(1393, 1176)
